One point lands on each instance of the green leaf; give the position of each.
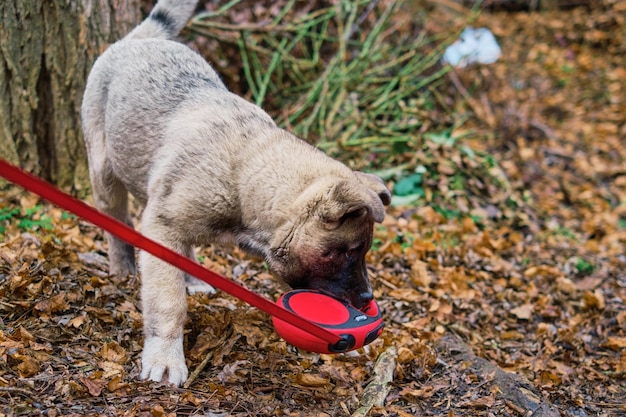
(407, 200)
(449, 214)
(7, 213)
(409, 185)
(584, 267)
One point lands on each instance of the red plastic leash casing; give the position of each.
(356, 328)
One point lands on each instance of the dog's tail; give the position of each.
(166, 20)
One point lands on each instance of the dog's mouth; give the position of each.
(359, 302)
(334, 295)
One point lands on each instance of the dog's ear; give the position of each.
(347, 199)
(376, 184)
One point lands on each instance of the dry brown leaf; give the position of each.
(111, 369)
(512, 335)
(523, 312)
(615, 343)
(53, 304)
(311, 380)
(94, 386)
(594, 300)
(479, 403)
(77, 321)
(566, 285)
(157, 411)
(549, 379)
(113, 352)
(419, 274)
(25, 336)
(422, 393)
(116, 384)
(544, 270)
(28, 366)
(405, 355)
(419, 324)
(229, 371)
(407, 294)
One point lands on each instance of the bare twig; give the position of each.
(481, 107)
(21, 391)
(377, 390)
(198, 369)
(248, 27)
(205, 21)
(210, 355)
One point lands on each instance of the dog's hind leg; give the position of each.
(195, 285)
(111, 197)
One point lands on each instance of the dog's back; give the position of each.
(134, 88)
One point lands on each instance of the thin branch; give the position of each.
(377, 390)
(21, 391)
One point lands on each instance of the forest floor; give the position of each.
(512, 303)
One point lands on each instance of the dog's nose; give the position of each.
(364, 298)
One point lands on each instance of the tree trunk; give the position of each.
(46, 51)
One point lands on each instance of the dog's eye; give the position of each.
(355, 250)
(329, 254)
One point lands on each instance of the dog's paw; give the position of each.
(121, 258)
(122, 270)
(164, 360)
(195, 285)
(122, 266)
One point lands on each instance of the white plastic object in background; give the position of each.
(473, 45)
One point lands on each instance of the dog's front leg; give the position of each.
(164, 306)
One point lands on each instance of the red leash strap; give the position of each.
(130, 235)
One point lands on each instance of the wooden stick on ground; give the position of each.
(21, 391)
(198, 369)
(225, 342)
(377, 390)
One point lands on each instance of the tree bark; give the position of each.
(46, 51)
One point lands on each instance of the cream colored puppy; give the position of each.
(211, 167)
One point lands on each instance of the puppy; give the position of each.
(208, 166)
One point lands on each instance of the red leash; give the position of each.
(130, 235)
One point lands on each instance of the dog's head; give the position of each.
(323, 245)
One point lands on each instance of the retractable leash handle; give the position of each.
(130, 235)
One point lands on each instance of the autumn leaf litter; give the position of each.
(520, 270)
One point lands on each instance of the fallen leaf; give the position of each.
(615, 343)
(94, 386)
(157, 411)
(523, 312)
(419, 274)
(228, 371)
(28, 366)
(479, 403)
(53, 304)
(594, 300)
(311, 380)
(113, 352)
(116, 383)
(111, 369)
(77, 321)
(406, 294)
